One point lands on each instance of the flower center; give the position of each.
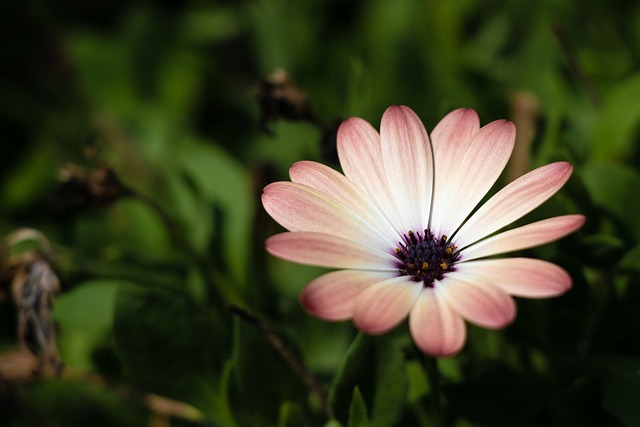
(425, 257)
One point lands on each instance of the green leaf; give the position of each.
(261, 379)
(84, 315)
(291, 415)
(171, 347)
(621, 392)
(609, 186)
(65, 403)
(377, 367)
(225, 184)
(614, 134)
(631, 260)
(357, 410)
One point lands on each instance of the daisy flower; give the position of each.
(400, 227)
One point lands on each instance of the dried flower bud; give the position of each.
(280, 98)
(34, 286)
(81, 188)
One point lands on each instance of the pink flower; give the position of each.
(399, 226)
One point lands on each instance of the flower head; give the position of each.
(399, 227)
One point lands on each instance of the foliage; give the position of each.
(169, 115)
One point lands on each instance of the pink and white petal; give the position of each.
(528, 236)
(521, 277)
(471, 172)
(408, 163)
(514, 201)
(478, 301)
(449, 139)
(332, 295)
(300, 208)
(435, 327)
(361, 161)
(324, 250)
(328, 181)
(384, 305)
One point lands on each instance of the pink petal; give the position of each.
(527, 236)
(324, 250)
(478, 301)
(522, 277)
(436, 328)
(332, 295)
(300, 208)
(467, 166)
(408, 163)
(330, 182)
(513, 201)
(383, 305)
(361, 160)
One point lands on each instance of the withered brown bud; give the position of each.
(81, 188)
(280, 98)
(34, 286)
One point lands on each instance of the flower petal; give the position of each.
(330, 182)
(361, 161)
(467, 165)
(408, 164)
(383, 305)
(513, 201)
(527, 236)
(522, 277)
(332, 295)
(436, 328)
(324, 250)
(300, 208)
(481, 303)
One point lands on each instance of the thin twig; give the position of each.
(289, 357)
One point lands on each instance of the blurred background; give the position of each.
(137, 137)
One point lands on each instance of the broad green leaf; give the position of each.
(357, 410)
(225, 184)
(615, 133)
(85, 316)
(631, 260)
(621, 376)
(66, 403)
(291, 415)
(610, 188)
(171, 347)
(377, 367)
(261, 380)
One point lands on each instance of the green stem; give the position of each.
(433, 377)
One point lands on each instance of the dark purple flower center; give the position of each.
(425, 257)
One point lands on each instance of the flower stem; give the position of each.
(433, 377)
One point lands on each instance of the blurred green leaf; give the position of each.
(85, 318)
(224, 183)
(291, 415)
(621, 392)
(610, 188)
(495, 397)
(64, 403)
(261, 380)
(357, 410)
(615, 132)
(169, 346)
(631, 260)
(210, 24)
(377, 367)
(29, 180)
